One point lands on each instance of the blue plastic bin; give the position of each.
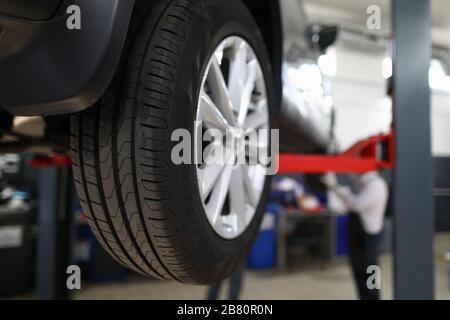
(263, 252)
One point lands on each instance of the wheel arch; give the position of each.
(268, 17)
(38, 56)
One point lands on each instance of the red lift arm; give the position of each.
(52, 160)
(374, 153)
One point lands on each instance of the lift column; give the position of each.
(413, 175)
(56, 211)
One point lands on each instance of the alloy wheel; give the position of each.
(233, 101)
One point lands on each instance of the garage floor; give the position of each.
(332, 281)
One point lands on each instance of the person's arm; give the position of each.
(361, 202)
(343, 193)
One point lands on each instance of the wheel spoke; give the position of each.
(230, 224)
(219, 90)
(210, 174)
(218, 195)
(257, 119)
(249, 189)
(238, 73)
(247, 92)
(211, 115)
(209, 177)
(238, 197)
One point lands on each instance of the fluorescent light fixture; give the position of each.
(327, 63)
(387, 67)
(438, 79)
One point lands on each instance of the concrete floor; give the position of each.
(311, 282)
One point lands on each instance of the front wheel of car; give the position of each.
(192, 66)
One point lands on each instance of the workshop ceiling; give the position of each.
(352, 14)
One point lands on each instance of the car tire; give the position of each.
(146, 211)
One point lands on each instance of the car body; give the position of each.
(64, 71)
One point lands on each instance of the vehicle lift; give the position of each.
(56, 225)
(371, 154)
(410, 138)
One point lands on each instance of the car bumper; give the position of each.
(47, 68)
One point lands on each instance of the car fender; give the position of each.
(47, 69)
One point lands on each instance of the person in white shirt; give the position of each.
(366, 220)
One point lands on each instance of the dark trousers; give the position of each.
(235, 285)
(363, 252)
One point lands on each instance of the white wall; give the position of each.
(441, 124)
(363, 108)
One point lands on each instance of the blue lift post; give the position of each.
(55, 232)
(413, 175)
